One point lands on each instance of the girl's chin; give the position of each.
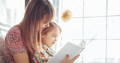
(49, 46)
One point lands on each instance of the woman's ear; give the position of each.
(42, 36)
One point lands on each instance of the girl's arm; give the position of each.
(21, 58)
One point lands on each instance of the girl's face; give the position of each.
(51, 37)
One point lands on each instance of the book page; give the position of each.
(70, 49)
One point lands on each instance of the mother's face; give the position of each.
(44, 23)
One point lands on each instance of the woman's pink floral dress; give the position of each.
(13, 44)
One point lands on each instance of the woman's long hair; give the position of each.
(36, 10)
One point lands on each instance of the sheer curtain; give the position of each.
(11, 13)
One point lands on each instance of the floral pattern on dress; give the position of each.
(13, 44)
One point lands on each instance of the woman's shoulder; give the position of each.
(14, 42)
(14, 29)
(14, 34)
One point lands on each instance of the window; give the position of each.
(99, 19)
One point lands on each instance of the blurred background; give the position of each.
(91, 19)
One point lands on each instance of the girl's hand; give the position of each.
(67, 59)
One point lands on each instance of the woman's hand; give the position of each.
(67, 59)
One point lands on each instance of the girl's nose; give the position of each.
(56, 39)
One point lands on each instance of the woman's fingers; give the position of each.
(67, 59)
(67, 56)
(75, 57)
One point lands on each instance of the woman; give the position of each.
(24, 39)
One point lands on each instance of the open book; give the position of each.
(70, 49)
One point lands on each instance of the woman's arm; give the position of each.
(21, 58)
(14, 45)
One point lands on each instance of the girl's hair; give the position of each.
(52, 25)
(36, 10)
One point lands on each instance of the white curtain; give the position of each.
(11, 13)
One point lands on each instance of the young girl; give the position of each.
(49, 37)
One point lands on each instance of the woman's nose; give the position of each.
(47, 25)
